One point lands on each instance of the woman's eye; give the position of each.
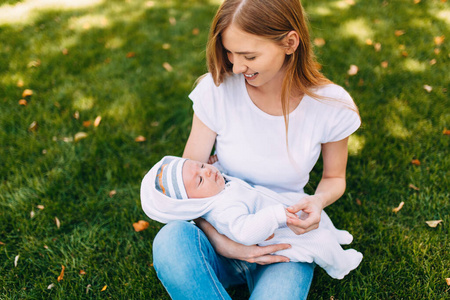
(250, 58)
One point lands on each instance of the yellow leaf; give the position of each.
(131, 54)
(86, 123)
(353, 70)
(438, 40)
(104, 288)
(195, 31)
(399, 32)
(377, 47)
(82, 272)
(97, 121)
(20, 83)
(65, 51)
(23, 102)
(140, 225)
(433, 62)
(61, 276)
(79, 136)
(433, 223)
(428, 88)
(27, 93)
(112, 193)
(34, 64)
(140, 139)
(319, 42)
(369, 42)
(58, 224)
(396, 210)
(33, 126)
(447, 280)
(166, 46)
(446, 131)
(385, 64)
(168, 67)
(412, 186)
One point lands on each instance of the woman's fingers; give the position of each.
(262, 254)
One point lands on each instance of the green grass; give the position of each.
(403, 257)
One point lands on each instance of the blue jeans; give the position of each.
(189, 268)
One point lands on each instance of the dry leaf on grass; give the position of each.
(319, 42)
(140, 139)
(415, 162)
(438, 40)
(23, 102)
(412, 186)
(131, 54)
(33, 126)
(1, 243)
(82, 272)
(353, 70)
(97, 121)
(104, 288)
(433, 223)
(140, 225)
(446, 131)
(112, 193)
(447, 280)
(79, 136)
(428, 88)
(51, 286)
(27, 93)
(168, 67)
(195, 31)
(58, 223)
(396, 210)
(16, 260)
(61, 275)
(399, 32)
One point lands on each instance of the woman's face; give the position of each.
(260, 60)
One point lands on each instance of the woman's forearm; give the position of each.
(330, 189)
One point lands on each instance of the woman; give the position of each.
(264, 106)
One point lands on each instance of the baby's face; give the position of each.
(202, 180)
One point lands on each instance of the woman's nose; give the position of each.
(239, 67)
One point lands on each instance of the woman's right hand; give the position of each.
(252, 254)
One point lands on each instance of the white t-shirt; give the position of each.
(251, 144)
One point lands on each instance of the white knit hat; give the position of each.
(169, 179)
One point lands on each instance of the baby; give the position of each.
(180, 189)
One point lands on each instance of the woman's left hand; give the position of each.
(311, 207)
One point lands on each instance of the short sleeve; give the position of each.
(343, 119)
(205, 97)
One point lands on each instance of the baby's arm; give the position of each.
(244, 227)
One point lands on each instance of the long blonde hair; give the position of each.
(271, 19)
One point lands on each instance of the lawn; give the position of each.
(94, 92)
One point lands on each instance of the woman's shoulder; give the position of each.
(233, 80)
(332, 95)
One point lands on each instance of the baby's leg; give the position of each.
(343, 237)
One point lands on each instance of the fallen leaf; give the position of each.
(416, 1)
(358, 202)
(437, 51)
(396, 210)
(131, 54)
(23, 102)
(447, 280)
(172, 21)
(33, 126)
(51, 286)
(87, 288)
(433, 223)
(104, 288)
(140, 139)
(27, 93)
(82, 272)
(415, 162)
(154, 123)
(86, 123)
(32, 214)
(166, 46)
(97, 121)
(65, 51)
(433, 62)
(195, 31)
(369, 42)
(76, 115)
(404, 53)
(16, 260)
(45, 247)
(112, 193)
(58, 223)
(384, 64)
(140, 225)
(61, 276)
(428, 88)
(20, 83)
(319, 42)
(353, 70)
(1, 243)
(399, 32)
(168, 67)
(438, 40)
(150, 3)
(34, 64)
(412, 186)
(377, 47)
(446, 131)
(79, 136)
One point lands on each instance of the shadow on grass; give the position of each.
(107, 59)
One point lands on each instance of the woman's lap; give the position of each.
(189, 268)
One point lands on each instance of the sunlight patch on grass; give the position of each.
(356, 144)
(82, 102)
(444, 15)
(87, 22)
(358, 29)
(413, 65)
(25, 12)
(320, 11)
(395, 127)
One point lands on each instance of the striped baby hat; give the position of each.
(169, 178)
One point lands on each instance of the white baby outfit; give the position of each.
(249, 215)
